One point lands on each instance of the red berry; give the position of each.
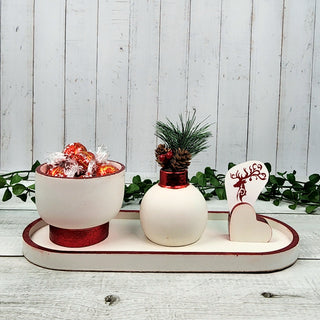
(169, 155)
(74, 148)
(162, 157)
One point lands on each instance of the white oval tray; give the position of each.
(127, 249)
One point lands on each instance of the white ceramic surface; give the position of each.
(246, 226)
(75, 203)
(244, 182)
(127, 249)
(173, 217)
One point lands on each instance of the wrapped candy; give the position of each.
(56, 172)
(83, 159)
(102, 154)
(74, 148)
(105, 169)
(77, 161)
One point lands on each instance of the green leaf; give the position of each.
(194, 180)
(33, 199)
(292, 206)
(263, 197)
(146, 187)
(280, 181)
(23, 197)
(18, 188)
(311, 208)
(7, 195)
(133, 188)
(32, 186)
(276, 202)
(136, 179)
(215, 182)
(3, 182)
(35, 166)
(230, 165)
(309, 186)
(201, 179)
(15, 179)
(288, 194)
(281, 174)
(314, 178)
(297, 186)
(209, 172)
(221, 193)
(304, 198)
(273, 179)
(291, 178)
(314, 196)
(268, 166)
(207, 196)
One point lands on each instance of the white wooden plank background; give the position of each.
(203, 73)
(296, 71)
(112, 76)
(16, 83)
(313, 158)
(143, 84)
(103, 72)
(81, 63)
(264, 79)
(173, 57)
(234, 82)
(49, 75)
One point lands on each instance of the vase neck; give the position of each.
(173, 180)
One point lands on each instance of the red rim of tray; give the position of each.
(295, 240)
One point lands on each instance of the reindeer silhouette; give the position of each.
(254, 171)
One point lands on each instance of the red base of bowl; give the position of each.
(76, 238)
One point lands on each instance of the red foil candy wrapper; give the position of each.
(74, 148)
(77, 162)
(83, 159)
(56, 172)
(104, 169)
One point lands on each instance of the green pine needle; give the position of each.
(187, 135)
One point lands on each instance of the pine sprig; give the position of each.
(186, 135)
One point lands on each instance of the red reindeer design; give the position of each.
(254, 171)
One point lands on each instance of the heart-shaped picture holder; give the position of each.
(244, 182)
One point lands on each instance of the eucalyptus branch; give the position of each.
(11, 182)
(281, 187)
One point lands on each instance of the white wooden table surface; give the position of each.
(31, 292)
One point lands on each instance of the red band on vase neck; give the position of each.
(76, 238)
(173, 180)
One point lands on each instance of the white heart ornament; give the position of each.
(244, 182)
(246, 226)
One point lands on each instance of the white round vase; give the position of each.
(78, 210)
(173, 212)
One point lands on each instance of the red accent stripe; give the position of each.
(33, 226)
(76, 238)
(173, 180)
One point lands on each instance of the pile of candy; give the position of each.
(77, 161)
